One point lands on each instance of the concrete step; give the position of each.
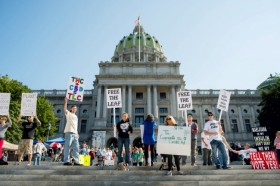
(140, 183)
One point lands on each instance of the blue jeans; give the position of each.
(218, 145)
(125, 142)
(37, 158)
(71, 141)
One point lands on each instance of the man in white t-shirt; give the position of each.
(206, 149)
(246, 153)
(71, 135)
(213, 128)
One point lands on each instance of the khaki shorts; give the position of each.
(25, 146)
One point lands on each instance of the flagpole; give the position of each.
(139, 36)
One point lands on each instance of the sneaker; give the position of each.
(226, 167)
(194, 165)
(67, 164)
(78, 164)
(180, 173)
(169, 173)
(218, 167)
(28, 164)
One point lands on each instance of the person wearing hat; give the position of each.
(194, 131)
(213, 128)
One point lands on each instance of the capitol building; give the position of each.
(149, 84)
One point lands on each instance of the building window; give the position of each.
(83, 126)
(117, 110)
(206, 111)
(57, 126)
(223, 125)
(95, 114)
(245, 111)
(162, 95)
(117, 119)
(139, 120)
(193, 111)
(232, 111)
(248, 125)
(219, 110)
(162, 119)
(194, 120)
(139, 95)
(234, 126)
(96, 103)
(163, 110)
(139, 110)
(258, 111)
(58, 111)
(84, 111)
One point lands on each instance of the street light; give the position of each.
(49, 128)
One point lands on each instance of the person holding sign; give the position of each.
(3, 128)
(124, 128)
(194, 131)
(71, 135)
(28, 131)
(149, 137)
(170, 121)
(277, 145)
(213, 128)
(245, 153)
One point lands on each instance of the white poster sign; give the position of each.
(75, 90)
(223, 101)
(142, 133)
(175, 140)
(114, 98)
(4, 103)
(28, 104)
(109, 162)
(184, 99)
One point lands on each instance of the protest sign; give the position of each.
(28, 104)
(184, 99)
(264, 160)
(4, 103)
(114, 98)
(109, 162)
(175, 140)
(261, 137)
(75, 90)
(223, 102)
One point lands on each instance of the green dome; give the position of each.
(127, 50)
(272, 80)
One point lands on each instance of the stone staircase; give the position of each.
(55, 174)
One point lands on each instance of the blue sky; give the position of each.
(219, 43)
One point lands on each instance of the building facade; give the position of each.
(149, 84)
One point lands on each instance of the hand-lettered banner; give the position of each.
(184, 99)
(261, 137)
(75, 90)
(4, 103)
(264, 160)
(175, 140)
(223, 100)
(28, 104)
(114, 98)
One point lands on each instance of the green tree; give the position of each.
(44, 110)
(269, 115)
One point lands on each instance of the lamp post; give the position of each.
(49, 128)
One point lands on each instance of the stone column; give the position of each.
(155, 101)
(105, 103)
(253, 117)
(201, 118)
(98, 109)
(123, 98)
(173, 102)
(242, 128)
(149, 99)
(129, 104)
